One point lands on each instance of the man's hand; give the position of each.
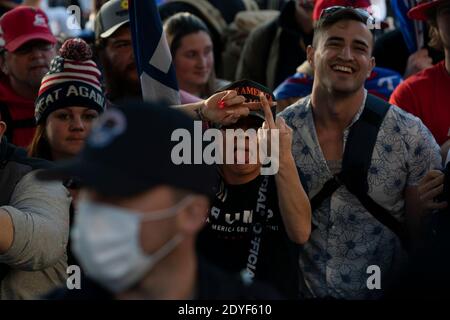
(417, 62)
(284, 131)
(292, 199)
(444, 151)
(226, 107)
(429, 188)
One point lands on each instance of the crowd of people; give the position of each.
(87, 176)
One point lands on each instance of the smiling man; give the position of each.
(361, 159)
(28, 48)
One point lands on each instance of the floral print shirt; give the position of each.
(348, 239)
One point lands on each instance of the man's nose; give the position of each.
(346, 53)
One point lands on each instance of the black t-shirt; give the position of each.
(225, 240)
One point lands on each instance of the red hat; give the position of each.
(420, 12)
(323, 4)
(23, 24)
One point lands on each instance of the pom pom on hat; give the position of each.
(76, 49)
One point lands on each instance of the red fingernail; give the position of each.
(221, 104)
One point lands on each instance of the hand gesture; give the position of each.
(227, 107)
(429, 188)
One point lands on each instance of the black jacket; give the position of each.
(274, 50)
(213, 284)
(14, 164)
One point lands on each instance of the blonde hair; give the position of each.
(433, 31)
(435, 38)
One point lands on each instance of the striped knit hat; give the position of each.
(73, 80)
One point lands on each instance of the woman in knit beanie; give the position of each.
(70, 99)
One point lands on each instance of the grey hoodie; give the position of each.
(39, 212)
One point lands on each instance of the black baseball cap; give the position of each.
(129, 150)
(250, 90)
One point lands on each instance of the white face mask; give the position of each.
(105, 239)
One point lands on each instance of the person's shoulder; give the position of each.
(216, 284)
(422, 78)
(415, 86)
(299, 109)
(408, 125)
(20, 155)
(402, 117)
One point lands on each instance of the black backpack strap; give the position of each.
(360, 144)
(358, 151)
(358, 157)
(356, 163)
(327, 190)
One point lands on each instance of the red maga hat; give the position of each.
(24, 24)
(420, 12)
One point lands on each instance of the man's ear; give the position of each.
(310, 55)
(2, 128)
(192, 218)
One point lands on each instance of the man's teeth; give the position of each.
(342, 68)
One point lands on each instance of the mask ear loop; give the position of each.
(165, 249)
(166, 213)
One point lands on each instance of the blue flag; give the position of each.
(152, 54)
(412, 31)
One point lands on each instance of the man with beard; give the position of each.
(27, 51)
(361, 159)
(115, 50)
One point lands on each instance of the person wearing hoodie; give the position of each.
(34, 226)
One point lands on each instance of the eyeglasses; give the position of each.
(363, 14)
(30, 47)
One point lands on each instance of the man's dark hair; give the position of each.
(328, 21)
